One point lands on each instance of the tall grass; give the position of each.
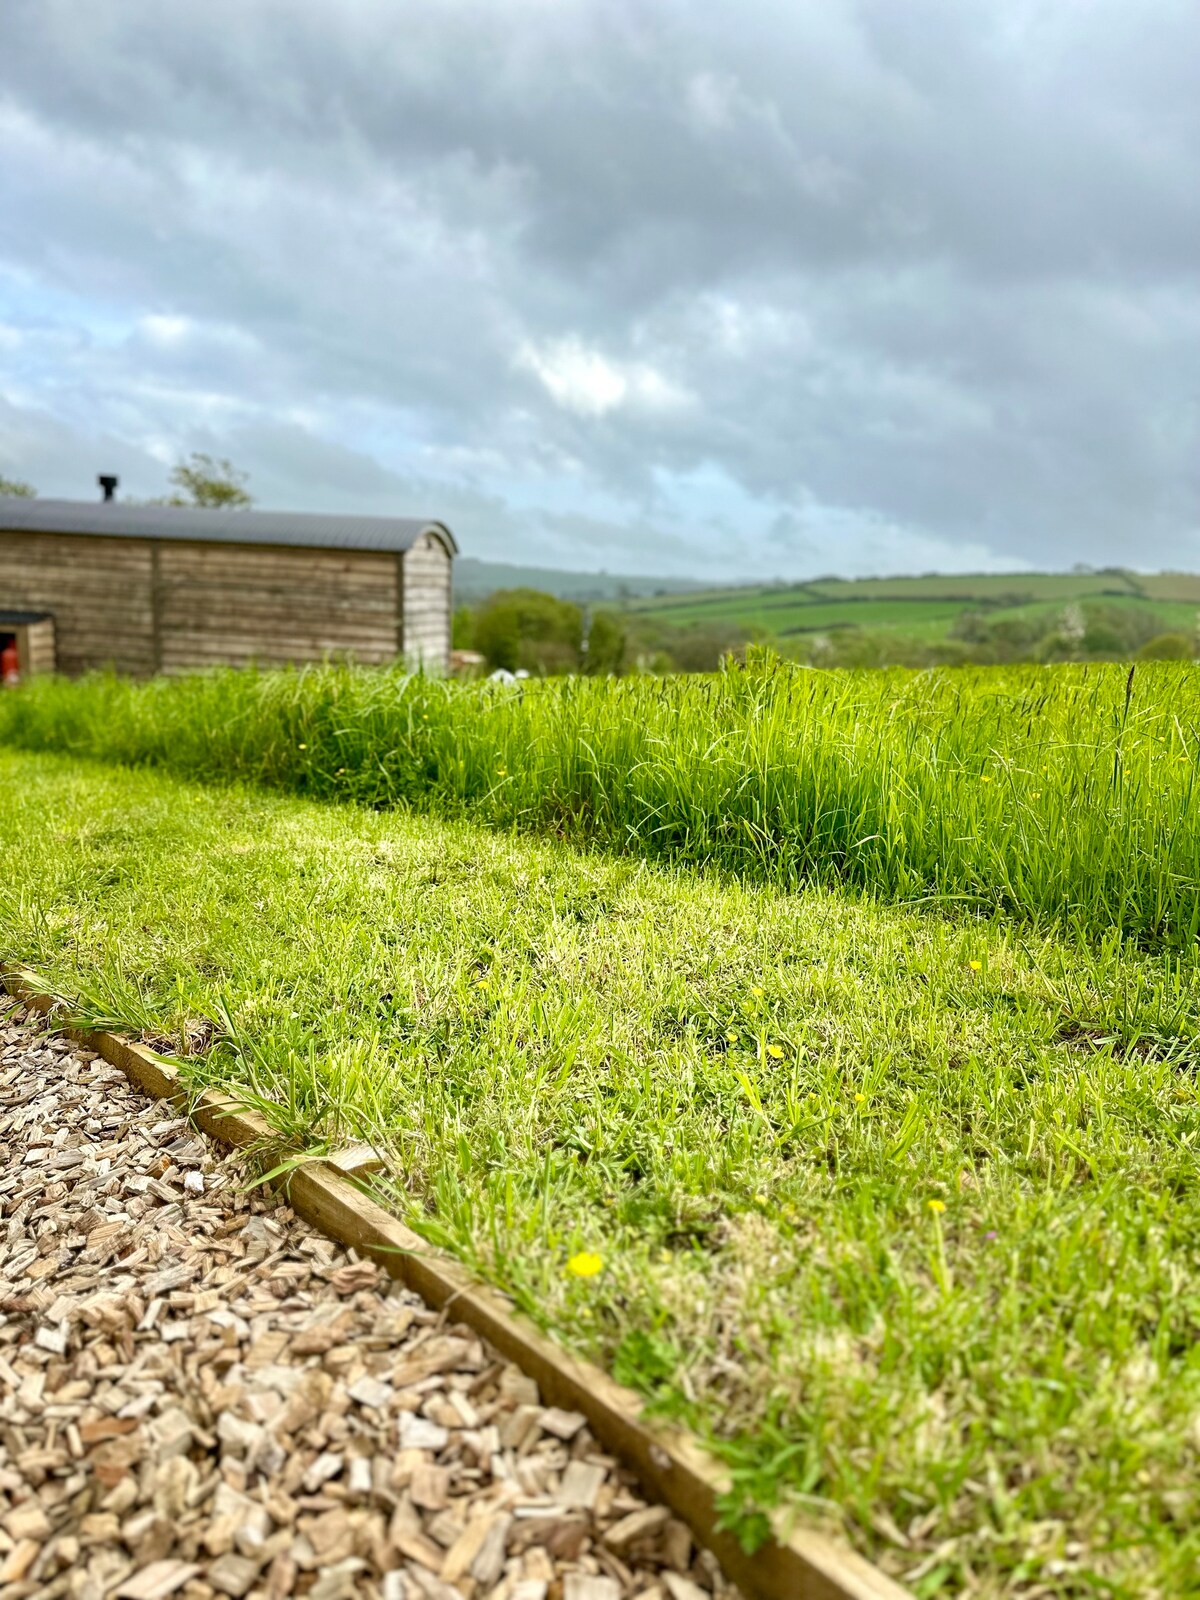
(1065, 794)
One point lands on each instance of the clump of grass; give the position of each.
(1065, 794)
(900, 1210)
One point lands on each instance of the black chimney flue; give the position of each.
(108, 482)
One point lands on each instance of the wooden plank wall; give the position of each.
(427, 605)
(141, 605)
(36, 643)
(99, 591)
(241, 603)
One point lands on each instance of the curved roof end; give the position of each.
(444, 534)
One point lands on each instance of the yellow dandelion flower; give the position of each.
(975, 966)
(937, 1206)
(301, 747)
(586, 1264)
(859, 1098)
(757, 992)
(1036, 795)
(731, 1037)
(775, 1053)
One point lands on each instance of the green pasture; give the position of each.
(783, 614)
(1173, 615)
(897, 1207)
(920, 608)
(1020, 587)
(1181, 586)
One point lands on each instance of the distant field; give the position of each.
(924, 607)
(785, 612)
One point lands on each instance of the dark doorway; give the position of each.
(27, 645)
(10, 661)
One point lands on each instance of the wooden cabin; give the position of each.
(146, 589)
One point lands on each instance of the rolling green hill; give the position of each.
(475, 579)
(922, 608)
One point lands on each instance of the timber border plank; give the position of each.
(797, 1564)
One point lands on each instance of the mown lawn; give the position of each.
(900, 1208)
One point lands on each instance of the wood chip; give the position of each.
(581, 1484)
(465, 1548)
(430, 1488)
(584, 1586)
(19, 1560)
(370, 1392)
(28, 1521)
(562, 1424)
(232, 1575)
(637, 1525)
(157, 1581)
(418, 1433)
(681, 1588)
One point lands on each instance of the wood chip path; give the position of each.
(201, 1397)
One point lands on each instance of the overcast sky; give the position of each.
(724, 289)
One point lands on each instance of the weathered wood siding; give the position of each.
(167, 605)
(427, 605)
(242, 603)
(35, 643)
(99, 591)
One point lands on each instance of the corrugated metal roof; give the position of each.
(315, 530)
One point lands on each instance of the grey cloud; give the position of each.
(60, 458)
(919, 278)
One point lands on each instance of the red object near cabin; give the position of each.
(10, 666)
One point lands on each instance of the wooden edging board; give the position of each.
(797, 1564)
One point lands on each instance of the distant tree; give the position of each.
(526, 628)
(1101, 639)
(702, 647)
(1119, 631)
(606, 645)
(1167, 647)
(462, 629)
(16, 486)
(545, 635)
(205, 481)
